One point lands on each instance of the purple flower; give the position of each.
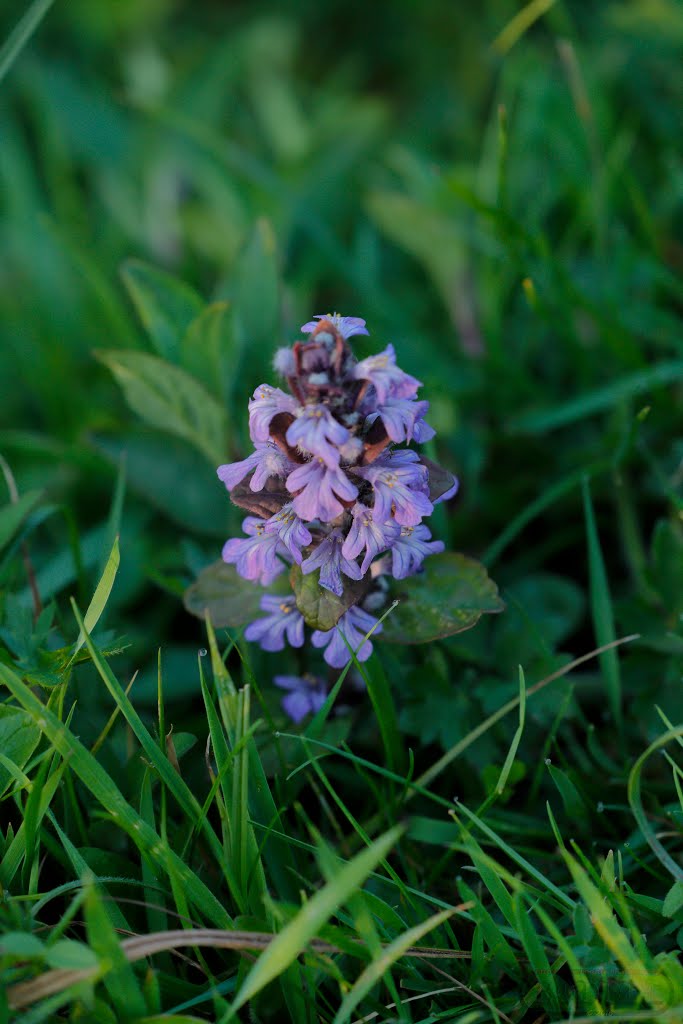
(422, 431)
(346, 325)
(368, 535)
(354, 624)
(307, 693)
(316, 431)
(290, 530)
(388, 380)
(283, 620)
(402, 419)
(265, 404)
(330, 559)
(411, 548)
(255, 556)
(400, 484)
(320, 489)
(267, 460)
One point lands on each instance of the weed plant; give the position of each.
(484, 828)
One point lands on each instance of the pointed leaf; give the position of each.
(165, 305)
(168, 398)
(449, 596)
(320, 607)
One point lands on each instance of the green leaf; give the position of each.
(667, 564)
(69, 955)
(320, 607)
(100, 597)
(165, 305)
(435, 240)
(571, 798)
(166, 397)
(207, 348)
(449, 596)
(673, 901)
(229, 600)
(19, 737)
(120, 981)
(256, 289)
(154, 465)
(21, 945)
(13, 514)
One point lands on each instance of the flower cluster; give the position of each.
(331, 491)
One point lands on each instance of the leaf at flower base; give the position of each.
(440, 480)
(448, 596)
(229, 600)
(320, 607)
(264, 503)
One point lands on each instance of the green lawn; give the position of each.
(484, 827)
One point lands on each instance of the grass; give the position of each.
(484, 828)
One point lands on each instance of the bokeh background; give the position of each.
(499, 195)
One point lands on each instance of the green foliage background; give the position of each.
(499, 195)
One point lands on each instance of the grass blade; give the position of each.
(294, 938)
(21, 33)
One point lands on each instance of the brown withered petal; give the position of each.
(375, 442)
(279, 425)
(440, 480)
(264, 503)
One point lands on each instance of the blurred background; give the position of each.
(496, 187)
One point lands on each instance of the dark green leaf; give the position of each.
(320, 607)
(230, 600)
(13, 514)
(172, 476)
(165, 305)
(18, 739)
(450, 595)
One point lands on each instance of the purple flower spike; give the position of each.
(354, 624)
(255, 556)
(330, 559)
(317, 432)
(267, 460)
(388, 380)
(290, 530)
(283, 620)
(402, 419)
(399, 484)
(367, 535)
(320, 488)
(266, 403)
(307, 694)
(346, 325)
(410, 550)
